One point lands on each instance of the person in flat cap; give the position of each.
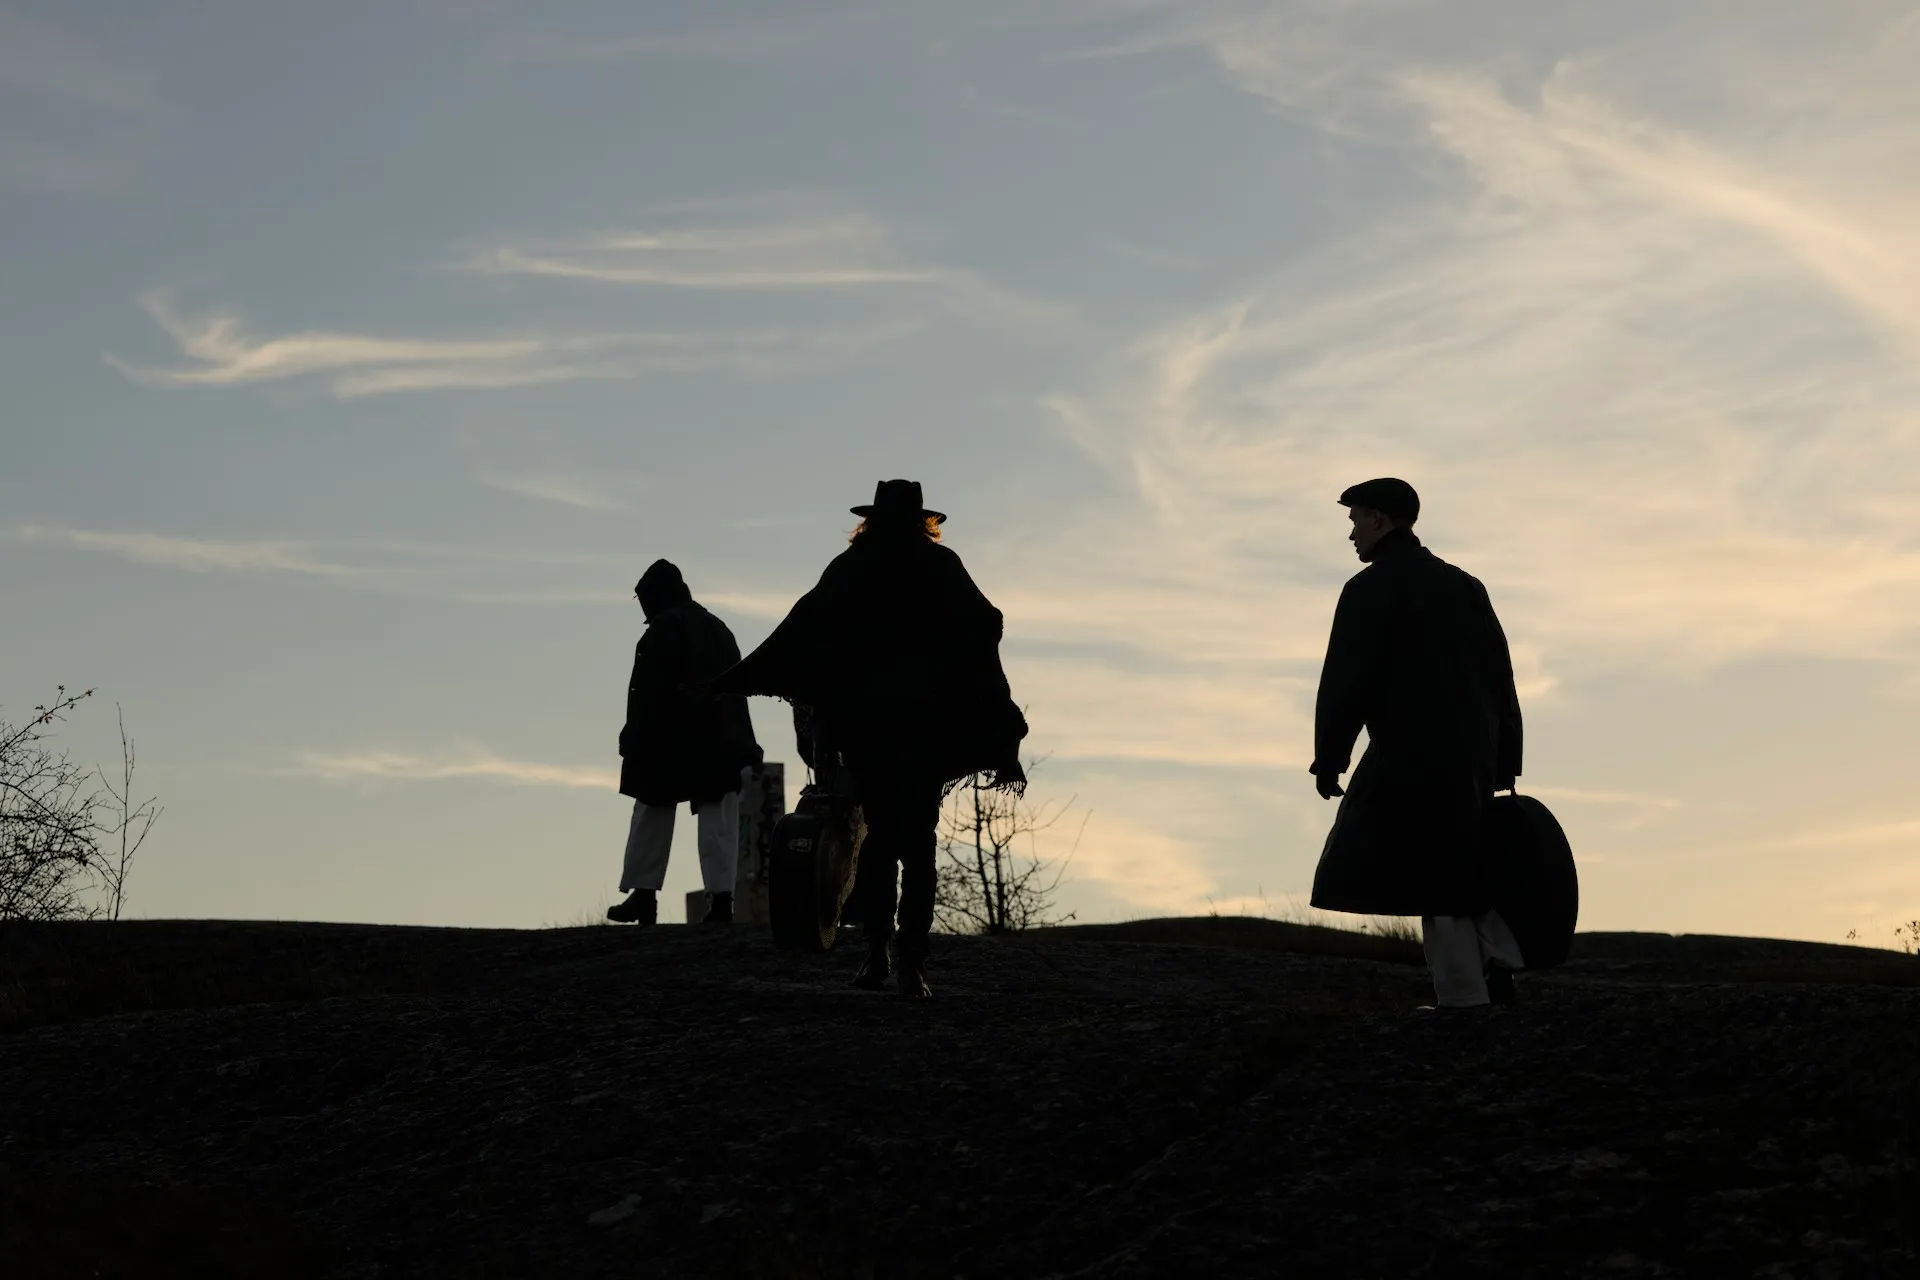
(1418, 658)
(898, 654)
(681, 745)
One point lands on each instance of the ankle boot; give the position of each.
(1500, 989)
(641, 908)
(913, 981)
(874, 969)
(719, 909)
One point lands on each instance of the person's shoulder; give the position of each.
(1458, 583)
(1371, 578)
(1453, 573)
(847, 561)
(699, 615)
(673, 622)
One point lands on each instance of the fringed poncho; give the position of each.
(896, 648)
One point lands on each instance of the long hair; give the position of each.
(928, 528)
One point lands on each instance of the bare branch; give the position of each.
(54, 820)
(984, 885)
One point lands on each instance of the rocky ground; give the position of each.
(1196, 1097)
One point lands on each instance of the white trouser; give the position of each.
(651, 838)
(1459, 948)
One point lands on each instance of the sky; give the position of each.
(357, 358)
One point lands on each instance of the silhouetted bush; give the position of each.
(987, 883)
(68, 834)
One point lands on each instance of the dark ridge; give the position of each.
(356, 1101)
(1249, 933)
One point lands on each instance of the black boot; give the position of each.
(913, 969)
(874, 969)
(719, 909)
(913, 980)
(641, 908)
(1500, 988)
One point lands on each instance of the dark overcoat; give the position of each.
(1418, 658)
(897, 650)
(679, 746)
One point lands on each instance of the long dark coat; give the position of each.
(1418, 658)
(678, 746)
(897, 650)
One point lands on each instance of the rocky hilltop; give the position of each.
(1207, 1097)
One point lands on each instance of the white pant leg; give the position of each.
(1452, 945)
(649, 840)
(1497, 943)
(720, 842)
(1459, 949)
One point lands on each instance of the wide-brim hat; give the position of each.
(899, 499)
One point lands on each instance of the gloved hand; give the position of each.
(625, 741)
(1328, 785)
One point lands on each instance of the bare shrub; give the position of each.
(131, 823)
(1906, 938)
(68, 834)
(990, 878)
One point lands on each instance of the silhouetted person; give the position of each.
(898, 653)
(681, 745)
(1418, 658)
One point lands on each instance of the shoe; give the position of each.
(1500, 989)
(874, 969)
(1452, 1010)
(641, 907)
(719, 909)
(913, 983)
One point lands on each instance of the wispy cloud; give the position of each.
(745, 41)
(835, 251)
(1620, 799)
(193, 555)
(72, 116)
(1903, 835)
(471, 574)
(42, 58)
(374, 765)
(1657, 394)
(354, 365)
(569, 489)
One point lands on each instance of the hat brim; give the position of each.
(866, 512)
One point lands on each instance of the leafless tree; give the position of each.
(990, 878)
(60, 823)
(49, 833)
(130, 823)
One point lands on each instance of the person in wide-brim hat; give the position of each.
(898, 653)
(898, 500)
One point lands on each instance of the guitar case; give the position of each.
(1531, 878)
(814, 851)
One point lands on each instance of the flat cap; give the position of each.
(1395, 499)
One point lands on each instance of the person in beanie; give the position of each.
(1419, 660)
(681, 745)
(898, 653)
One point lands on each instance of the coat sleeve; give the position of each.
(1350, 675)
(659, 667)
(1500, 660)
(790, 661)
(973, 618)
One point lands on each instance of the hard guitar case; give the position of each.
(1531, 878)
(814, 852)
